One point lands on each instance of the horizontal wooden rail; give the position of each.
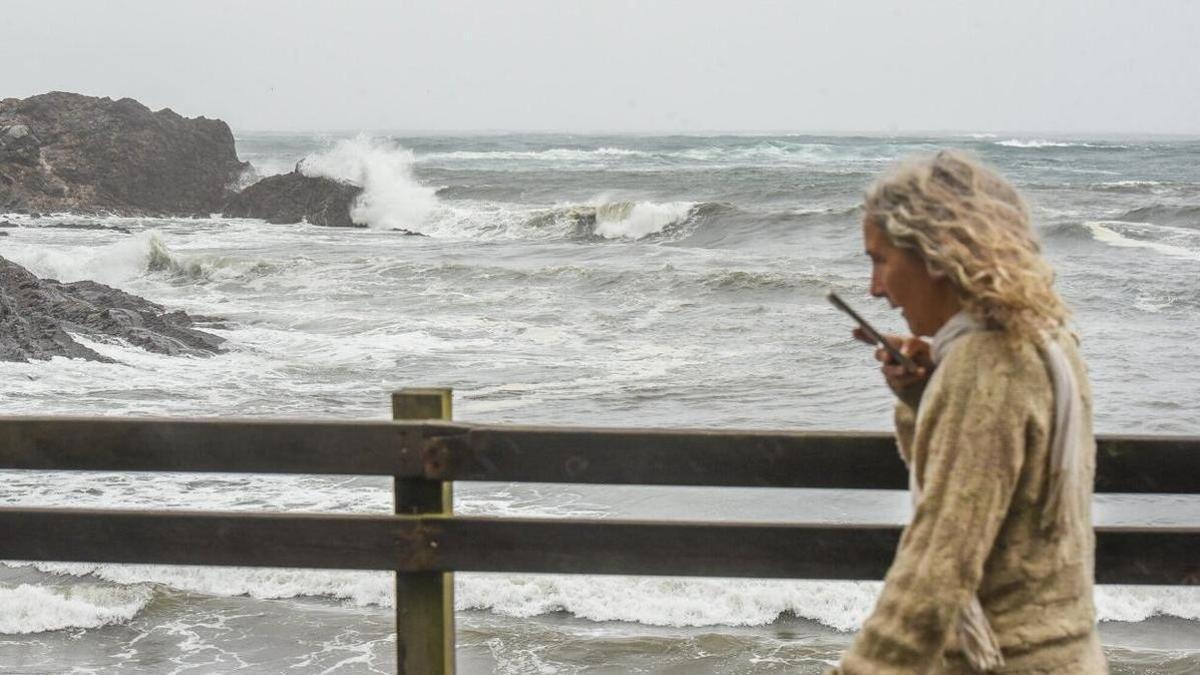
(362, 542)
(669, 457)
(1160, 555)
(217, 445)
(443, 451)
(847, 460)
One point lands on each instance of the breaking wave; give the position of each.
(1160, 214)
(112, 264)
(1166, 240)
(725, 602)
(627, 220)
(129, 258)
(656, 601)
(35, 609)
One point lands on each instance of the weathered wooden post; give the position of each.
(424, 600)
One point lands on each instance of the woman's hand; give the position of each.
(897, 378)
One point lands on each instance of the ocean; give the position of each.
(615, 280)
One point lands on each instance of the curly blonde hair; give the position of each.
(969, 224)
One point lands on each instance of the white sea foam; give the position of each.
(784, 154)
(1042, 143)
(634, 220)
(391, 196)
(1131, 183)
(549, 155)
(1138, 603)
(34, 609)
(763, 153)
(708, 602)
(1181, 243)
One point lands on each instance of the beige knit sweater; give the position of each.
(980, 441)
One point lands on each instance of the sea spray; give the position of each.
(391, 197)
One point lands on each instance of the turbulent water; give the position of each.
(615, 280)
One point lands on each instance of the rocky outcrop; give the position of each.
(293, 197)
(39, 316)
(69, 152)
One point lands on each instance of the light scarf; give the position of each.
(975, 634)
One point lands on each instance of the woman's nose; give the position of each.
(877, 289)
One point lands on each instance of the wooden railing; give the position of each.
(424, 542)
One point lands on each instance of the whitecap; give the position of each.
(34, 609)
(635, 220)
(548, 155)
(113, 264)
(1042, 143)
(1116, 233)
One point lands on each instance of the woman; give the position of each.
(994, 573)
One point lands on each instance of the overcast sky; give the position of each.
(1087, 66)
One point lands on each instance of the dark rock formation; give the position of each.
(37, 317)
(68, 152)
(292, 197)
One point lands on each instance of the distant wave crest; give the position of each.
(1186, 215)
(548, 155)
(628, 220)
(765, 153)
(1166, 240)
(1042, 143)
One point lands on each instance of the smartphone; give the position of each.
(909, 365)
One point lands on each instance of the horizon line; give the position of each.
(973, 134)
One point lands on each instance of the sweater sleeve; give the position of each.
(908, 400)
(906, 427)
(969, 448)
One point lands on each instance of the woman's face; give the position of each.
(927, 301)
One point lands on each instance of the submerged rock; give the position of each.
(38, 316)
(88, 226)
(69, 152)
(294, 197)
